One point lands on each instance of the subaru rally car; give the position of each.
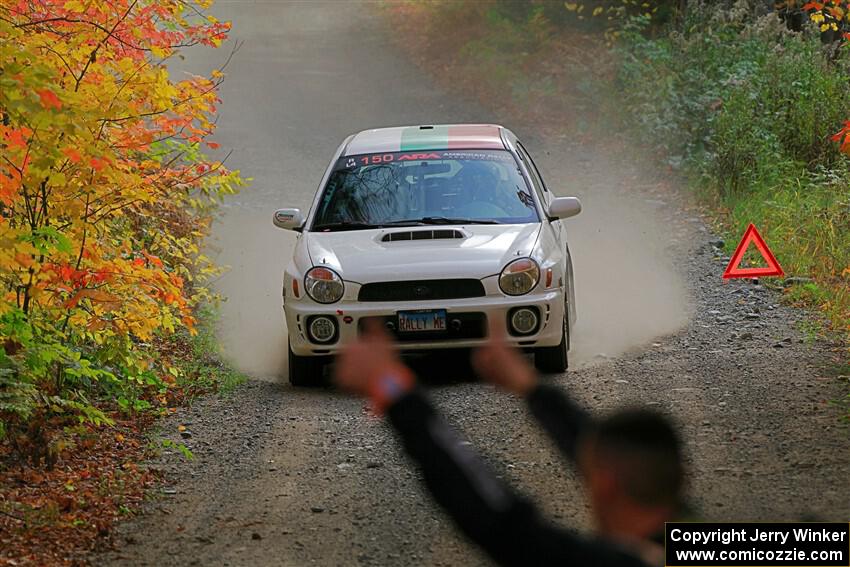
(432, 231)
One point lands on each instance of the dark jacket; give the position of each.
(503, 523)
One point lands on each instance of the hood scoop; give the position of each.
(431, 234)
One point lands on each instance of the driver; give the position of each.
(477, 182)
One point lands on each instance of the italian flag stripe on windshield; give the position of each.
(416, 138)
(450, 138)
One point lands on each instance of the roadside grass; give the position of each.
(206, 370)
(812, 329)
(745, 111)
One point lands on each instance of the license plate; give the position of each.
(422, 321)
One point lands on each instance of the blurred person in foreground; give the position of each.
(630, 462)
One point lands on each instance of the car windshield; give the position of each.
(426, 187)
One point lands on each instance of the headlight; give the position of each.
(324, 285)
(519, 277)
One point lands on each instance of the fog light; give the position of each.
(524, 320)
(322, 329)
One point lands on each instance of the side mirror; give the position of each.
(564, 207)
(290, 219)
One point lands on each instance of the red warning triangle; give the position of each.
(752, 235)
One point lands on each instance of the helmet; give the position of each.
(477, 180)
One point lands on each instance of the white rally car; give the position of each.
(431, 230)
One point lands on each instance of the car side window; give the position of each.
(536, 182)
(532, 167)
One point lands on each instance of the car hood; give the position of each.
(362, 256)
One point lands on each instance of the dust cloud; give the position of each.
(628, 292)
(251, 327)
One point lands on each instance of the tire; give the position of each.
(305, 371)
(554, 360)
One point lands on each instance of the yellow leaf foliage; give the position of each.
(105, 194)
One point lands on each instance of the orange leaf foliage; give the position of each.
(72, 154)
(105, 195)
(49, 99)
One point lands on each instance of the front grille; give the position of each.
(421, 290)
(460, 326)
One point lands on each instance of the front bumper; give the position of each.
(349, 316)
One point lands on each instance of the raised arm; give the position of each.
(564, 421)
(505, 525)
(559, 416)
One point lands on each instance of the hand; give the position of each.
(370, 368)
(503, 365)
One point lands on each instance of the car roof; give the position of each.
(426, 137)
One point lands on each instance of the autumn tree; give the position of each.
(105, 195)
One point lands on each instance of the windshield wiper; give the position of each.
(358, 225)
(440, 220)
(344, 225)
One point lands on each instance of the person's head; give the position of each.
(478, 180)
(633, 467)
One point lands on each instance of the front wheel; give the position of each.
(305, 371)
(553, 360)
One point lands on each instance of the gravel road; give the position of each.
(283, 476)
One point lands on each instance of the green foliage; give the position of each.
(43, 370)
(205, 369)
(46, 381)
(184, 450)
(17, 395)
(807, 292)
(748, 110)
(747, 92)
